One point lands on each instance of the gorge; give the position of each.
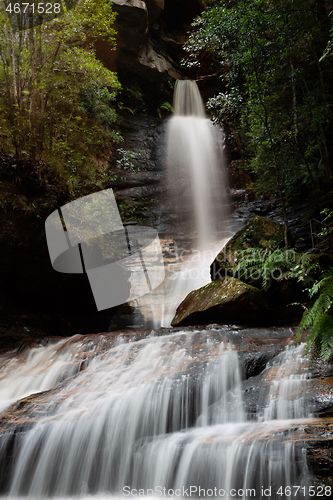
(223, 411)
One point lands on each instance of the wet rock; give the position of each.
(256, 348)
(297, 213)
(322, 387)
(226, 301)
(140, 189)
(259, 232)
(318, 438)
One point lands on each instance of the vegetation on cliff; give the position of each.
(275, 62)
(56, 98)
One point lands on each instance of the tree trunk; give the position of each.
(34, 96)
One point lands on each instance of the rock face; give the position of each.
(259, 232)
(155, 8)
(132, 24)
(226, 301)
(139, 190)
(141, 49)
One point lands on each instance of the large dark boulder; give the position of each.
(226, 301)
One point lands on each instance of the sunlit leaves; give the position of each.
(43, 72)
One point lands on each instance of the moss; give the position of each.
(232, 298)
(259, 232)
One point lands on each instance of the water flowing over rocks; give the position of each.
(217, 407)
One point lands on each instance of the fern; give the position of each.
(319, 318)
(265, 266)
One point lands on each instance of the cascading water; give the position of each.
(37, 370)
(195, 197)
(165, 414)
(196, 187)
(160, 412)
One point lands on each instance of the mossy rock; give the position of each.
(259, 232)
(226, 301)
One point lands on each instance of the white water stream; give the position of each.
(160, 412)
(197, 200)
(163, 415)
(35, 371)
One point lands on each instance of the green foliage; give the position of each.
(276, 89)
(97, 103)
(55, 96)
(265, 266)
(327, 221)
(225, 106)
(319, 318)
(329, 48)
(165, 106)
(126, 159)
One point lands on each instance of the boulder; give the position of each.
(226, 301)
(259, 232)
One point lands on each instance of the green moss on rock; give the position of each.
(225, 301)
(259, 232)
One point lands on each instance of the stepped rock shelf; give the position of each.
(172, 391)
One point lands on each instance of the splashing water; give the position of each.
(197, 200)
(36, 370)
(160, 412)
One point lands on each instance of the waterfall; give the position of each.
(164, 414)
(36, 370)
(288, 396)
(159, 412)
(195, 168)
(195, 196)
